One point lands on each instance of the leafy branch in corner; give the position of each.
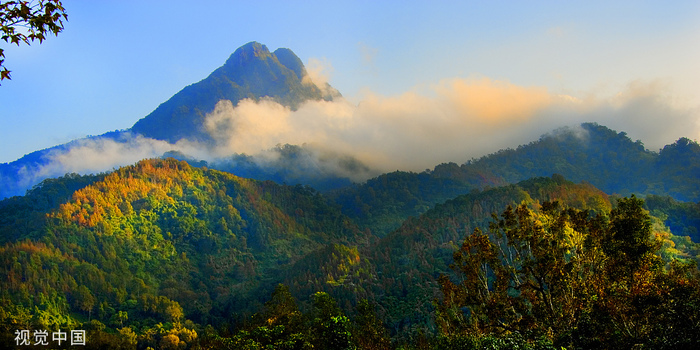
(27, 21)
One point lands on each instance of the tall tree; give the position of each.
(84, 300)
(578, 280)
(331, 329)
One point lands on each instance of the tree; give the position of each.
(278, 326)
(331, 329)
(369, 332)
(577, 280)
(119, 318)
(174, 312)
(282, 309)
(27, 21)
(127, 338)
(531, 273)
(628, 242)
(84, 300)
(170, 341)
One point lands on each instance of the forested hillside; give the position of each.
(409, 259)
(593, 153)
(163, 254)
(159, 243)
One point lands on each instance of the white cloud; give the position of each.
(319, 71)
(456, 120)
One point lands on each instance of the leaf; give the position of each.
(5, 74)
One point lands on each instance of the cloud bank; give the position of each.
(453, 121)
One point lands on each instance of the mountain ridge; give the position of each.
(252, 71)
(605, 158)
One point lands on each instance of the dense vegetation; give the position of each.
(577, 280)
(150, 244)
(593, 153)
(166, 255)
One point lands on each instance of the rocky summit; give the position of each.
(252, 71)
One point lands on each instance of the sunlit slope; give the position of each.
(159, 233)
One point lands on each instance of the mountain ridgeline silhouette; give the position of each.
(252, 72)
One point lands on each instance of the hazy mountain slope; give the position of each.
(591, 152)
(677, 171)
(291, 164)
(603, 157)
(252, 71)
(683, 218)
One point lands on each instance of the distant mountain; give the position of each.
(593, 153)
(252, 71)
(607, 159)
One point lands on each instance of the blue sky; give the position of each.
(116, 61)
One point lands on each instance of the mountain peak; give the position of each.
(287, 58)
(248, 52)
(252, 71)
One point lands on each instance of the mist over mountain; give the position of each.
(252, 72)
(266, 116)
(593, 153)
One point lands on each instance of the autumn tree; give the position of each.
(561, 274)
(27, 21)
(127, 338)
